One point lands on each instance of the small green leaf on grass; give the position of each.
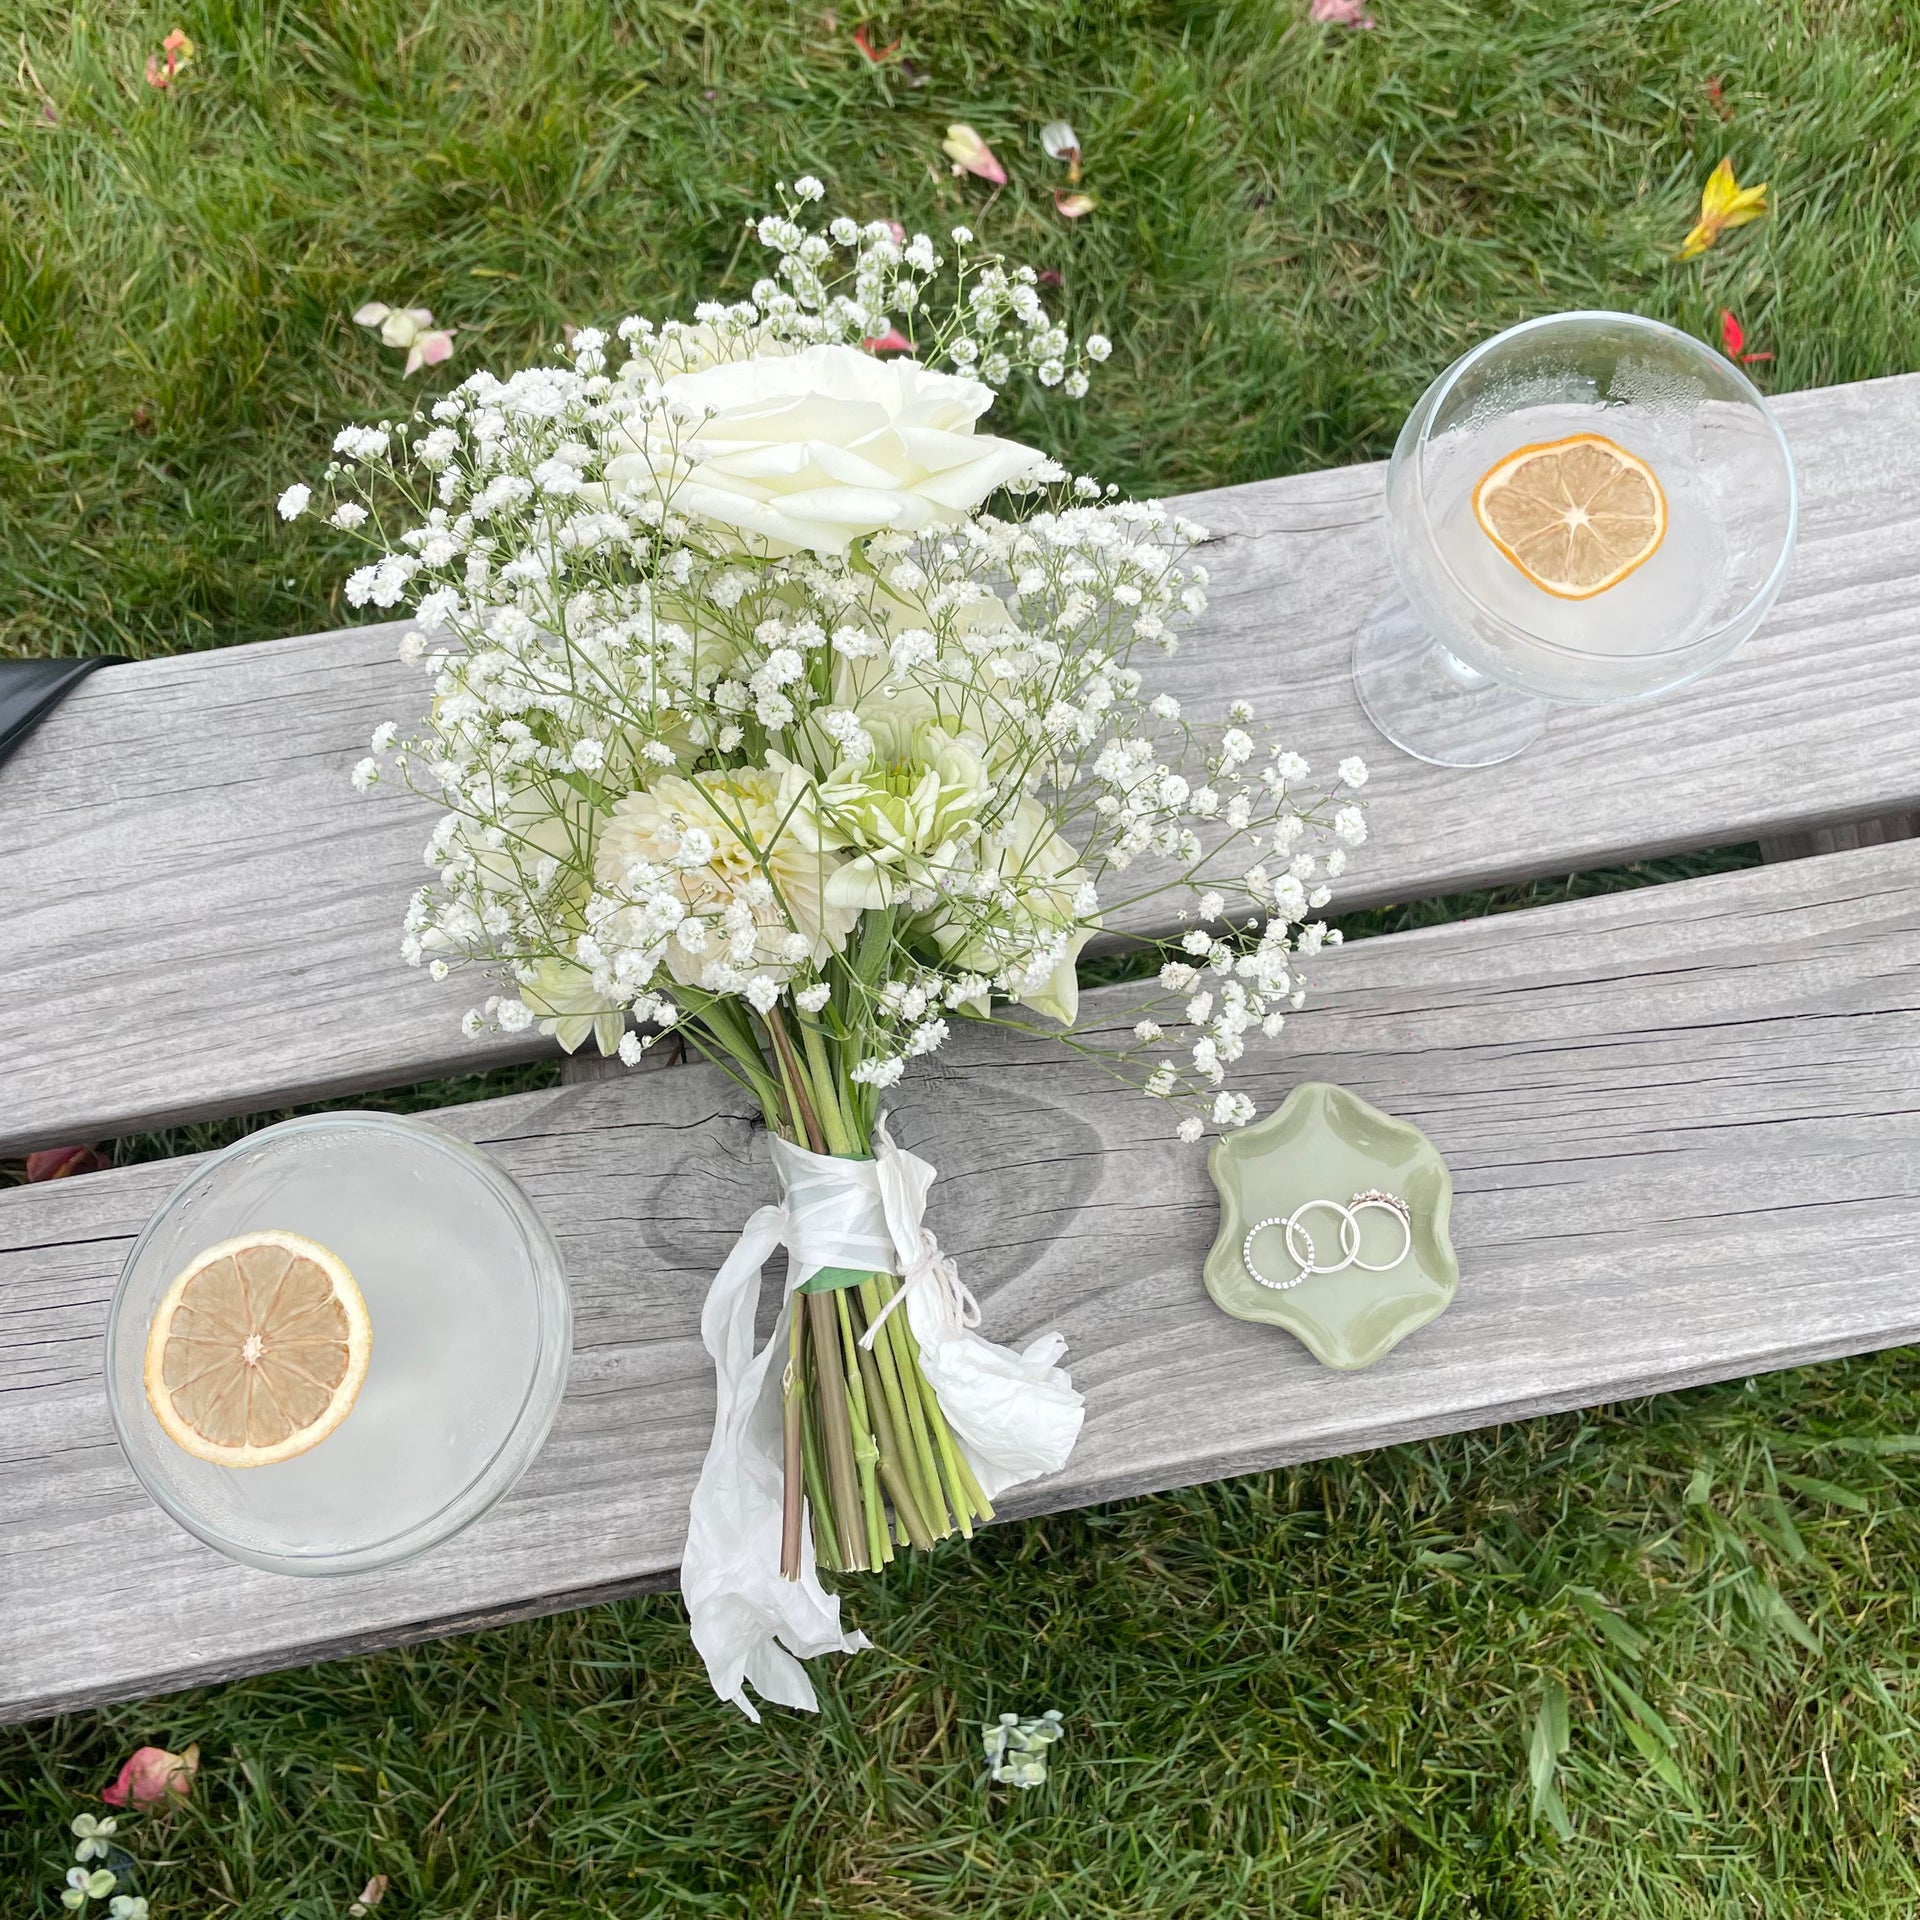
(1773, 1608)
(1658, 1759)
(1544, 1753)
(1826, 1490)
(1637, 1707)
(1623, 1634)
(1653, 1739)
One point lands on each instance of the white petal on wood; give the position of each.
(201, 917)
(1681, 1126)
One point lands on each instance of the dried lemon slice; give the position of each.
(258, 1350)
(1576, 516)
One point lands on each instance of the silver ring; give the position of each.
(1382, 1202)
(1348, 1226)
(1246, 1253)
(1289, 1225)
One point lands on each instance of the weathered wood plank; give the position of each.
(1680, 1121)
(202, 917)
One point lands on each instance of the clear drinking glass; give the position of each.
(472, 1331)
(1458, 666)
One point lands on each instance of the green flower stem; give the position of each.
(866, 1446)
(836, 1429)
(963, 1491)
(841, 1138)
(793, 1393)
(896, 1390)
(976, 1495)
(794, 1079)
(865, 1453)
(733, 1036)
(826, 1544)
(906, 1359)
(908, 1520)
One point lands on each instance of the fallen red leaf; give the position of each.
(866, 46)
(61, 1163)
(1733, 336)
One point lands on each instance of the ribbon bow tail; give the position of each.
(748, 1622)
(1016, 1415)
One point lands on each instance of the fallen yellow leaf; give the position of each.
(1723, 203)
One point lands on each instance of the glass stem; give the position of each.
(1457, 669)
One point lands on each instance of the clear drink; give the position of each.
(1457, 667)
(470, 1335)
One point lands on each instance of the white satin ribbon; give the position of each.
(1015, 1415)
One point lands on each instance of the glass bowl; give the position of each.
(1460, 665)
(472, 1330)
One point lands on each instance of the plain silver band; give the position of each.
(1311, 1264)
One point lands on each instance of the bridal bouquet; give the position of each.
(778, 706)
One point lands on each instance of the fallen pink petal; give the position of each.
(62, 1163)
(429, 349)
(178, 50)
(370, 1896)
(1340, 13)
(151, 1775)
(371, 314)
(970, 154)
(892, 341)
(1073, 206)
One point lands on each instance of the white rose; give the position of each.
(813, 450)
(689, 349)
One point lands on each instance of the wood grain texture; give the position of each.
(202, 917)
(1664, 1112)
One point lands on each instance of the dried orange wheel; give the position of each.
(258, 1350)
(1576, 516)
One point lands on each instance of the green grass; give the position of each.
(1308, 1693)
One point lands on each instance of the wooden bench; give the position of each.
(1679, 1119)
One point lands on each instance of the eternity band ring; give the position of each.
(1290, 1225)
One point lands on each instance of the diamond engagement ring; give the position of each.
(1387, 1203)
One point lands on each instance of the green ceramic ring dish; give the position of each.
(1325, 1143)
